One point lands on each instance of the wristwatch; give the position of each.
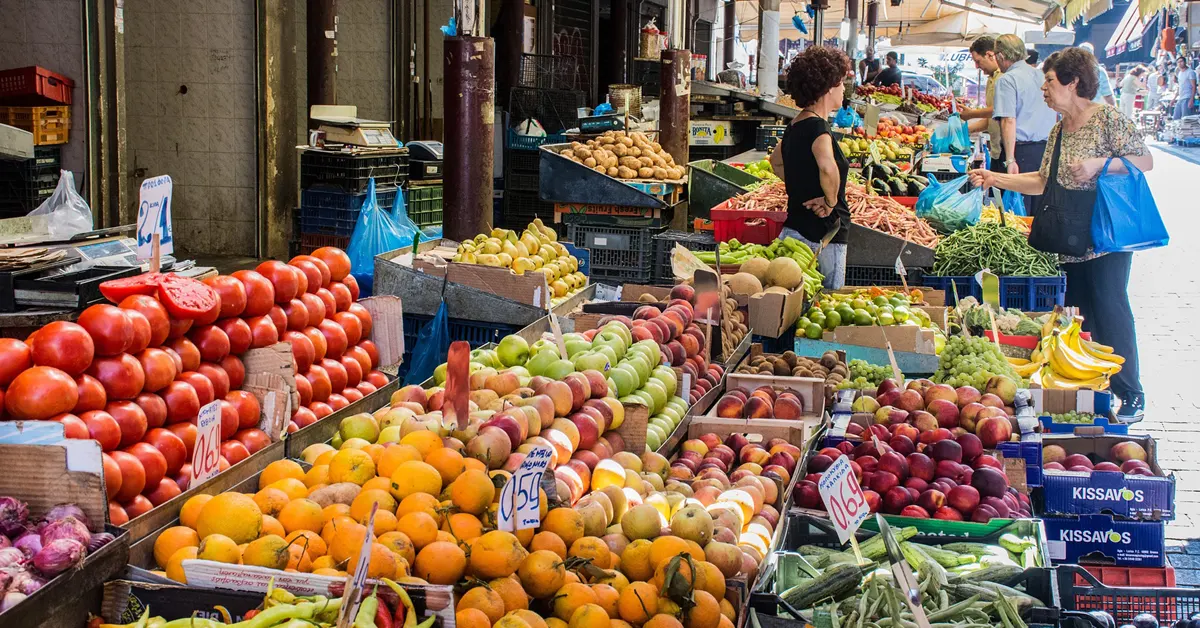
(1009, 162)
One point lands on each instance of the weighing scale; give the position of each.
(425, 161)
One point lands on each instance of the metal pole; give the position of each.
(852, 38)
(427, 97)
(322, 54)
(730, 34)
(872, 22)
(818, 26)
(675, 116)
(469, 96)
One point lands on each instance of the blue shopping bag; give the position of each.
(947, 208)
(375, 232)
(433, 342)
(1013, 202)
(952, 137)
(1126, 217)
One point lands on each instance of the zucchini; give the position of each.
(975, 549)
(874, 549)
(947, 558)
(817, 550)
(1016, 544)
(1022, 600)
(834, 583)
(1000, 574)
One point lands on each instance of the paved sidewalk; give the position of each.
(1165, 292)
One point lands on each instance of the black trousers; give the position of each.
(1100, 289)
(1029, 159)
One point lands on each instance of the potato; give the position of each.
(583, 152)
(612, 172)
(627, 141)
(569, 154)
(656, 146)
(635, 151)
(340, 493)
(590, 162)
(645, 172)
(599, 169)
(631, 162)
(605, 140)
(626, 173)
(646, 162)
(660, 173)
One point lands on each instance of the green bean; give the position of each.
(1003, 250)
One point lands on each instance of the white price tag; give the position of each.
(685, 390)
(355, 583)
(843, 497)
(520, 501)
(605, 292)
(154, 216)
(900, 270)
(558, 335)
(206, 457)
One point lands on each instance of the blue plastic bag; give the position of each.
(1013, 203)
(847, 118)
(433, 343)
(374, 233)
(1126, 217)
(952, 137)
(947, 208)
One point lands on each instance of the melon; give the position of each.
(785, 273)
(745, 283)
(756, 266)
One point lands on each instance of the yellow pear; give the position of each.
(491, 245)
(506, 260)
(488, 259)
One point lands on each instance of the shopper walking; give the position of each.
(1025, 120)
(1088, 135)
(1156, 84)
(811, 164)
(1131, 85)
(891, 74)
(1185, 79)
(984, 54)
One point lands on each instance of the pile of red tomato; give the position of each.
(134, 376)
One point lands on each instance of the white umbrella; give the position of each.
(960, 29)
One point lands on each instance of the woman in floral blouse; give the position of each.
(1087, 135)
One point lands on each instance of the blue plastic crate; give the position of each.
(517, 141)
(476, 333)
(1109, 427)
(1028, 294)
(336, 198)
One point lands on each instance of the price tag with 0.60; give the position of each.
(843, 497)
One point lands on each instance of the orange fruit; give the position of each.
(331, 527)
(328, 571)
(471, 617)
(419, 527)
(312, 542)
(463, 526)
(554, 622)
(415, 477)
(271, 500)
(472, 492)
(271, 525)
(665, 548)
(323, 562)
(533, 619)
(727, 609)
(607, 598)
(484, 599)
(425, 441)
(279, 470)
(511, 621)
(172, 540)
(334, 510)
(511, 592)
(219, 548)
(593, 548)
(725, 622)
(347, 540)
(589, 616)
(301, 514)
(382, 564)
(174, 566)
(298, 559)
(378, 483)
(473, 463)
(663, 621)
(351, 465)
(542, 573)
(317, 476)
(685, 570)
(635, 561)
(565, 522)
(325, 457)
(385, 522)
(360, 508)
(570, 598)
(706, 613)
(496, 554)
(190, 513)
(294, 488)
(449, 463)
(548, 541)
(398, 542)
(714, 580)
(393, 456)
(418, 502)
(440, 563)
(269, 551)
(638, 602)
(233, 514)
(374, 450)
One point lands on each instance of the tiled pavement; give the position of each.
(1164, 289)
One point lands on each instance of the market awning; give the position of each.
(962, 28)
(1034, 10)
(891, 19)
(1128, 34)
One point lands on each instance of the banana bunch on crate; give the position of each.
(1064, 360)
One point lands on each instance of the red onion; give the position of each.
(30, 543)
(58, 556)
(12, 557)
(62, 511)
(66, 528)
(26, 582)
(11, 599)
(98, 540)
(4, 542)
(14, 514)
(6, 578)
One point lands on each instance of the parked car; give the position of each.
(923, 82)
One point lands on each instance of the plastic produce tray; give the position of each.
(665, 242)
(881, 276)
(1083, 591)
(33, 85)
(1028, 294)
(615, 248)
(424, 205)
(747, 227)
(352, 172)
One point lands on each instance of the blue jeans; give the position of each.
(1183, 107)
(831, 262)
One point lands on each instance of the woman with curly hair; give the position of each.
(811, 164)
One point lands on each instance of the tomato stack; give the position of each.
(133, 376)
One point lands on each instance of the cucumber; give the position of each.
(975, 549)
(834, 583)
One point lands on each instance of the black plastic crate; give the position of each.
(308, 242)
(47, 160)
(521, 181)
(768, 135)
(424, 205)
(522, 161)
(520, 208)
(353, 172)
(19, 197)
(332, 198)
(665, 242)
(556, 109)
(881, 276)
(550, 71)
(639, 275)
(476, 333)
(616, 248)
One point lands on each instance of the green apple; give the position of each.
(653, 346)
(651, 355)
(559, 369)
(679, 404)
(625, 377)
(520, 371)
(486, 357)
(593, 360)
(646, 399)
(657, 392)
(389, 434)
(672, 414)
(663, 424)
(513, 350)
(612, 340)
(608, 352)
(543, 344)
(653, 442)
(439, 374)
(642, 367)
(542, 359)
(576, 346)
(574, 336)
(620, 330)
(666, 377)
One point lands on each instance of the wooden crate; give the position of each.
(810, 389)
(49, 125)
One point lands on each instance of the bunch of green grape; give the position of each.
(1080, 418)
(865, 375)
(972, 362)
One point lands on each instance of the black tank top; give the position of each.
(803, 180)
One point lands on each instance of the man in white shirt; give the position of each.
(1104, 93)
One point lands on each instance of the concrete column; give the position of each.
(768, 60)
(852, 38)
(675, 116)
(322, 53)
(278, 123)
(470, 106)
(872, 22)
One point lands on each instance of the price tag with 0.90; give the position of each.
(843, 497)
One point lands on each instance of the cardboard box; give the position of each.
(1047, 401)
(904, 338)
(711, 133)
(630, 293)
(1101, 538)
(1109, 492)
(773, 314)
(811, 390)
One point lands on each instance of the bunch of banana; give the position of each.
(535, 249)
(1065, 360)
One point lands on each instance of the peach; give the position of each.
(562, 396)
(788, 408)
(730, 407)
(757, 408)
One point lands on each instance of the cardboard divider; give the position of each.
(44, 476)
(773, 314)
(633, 429)
(810, 389)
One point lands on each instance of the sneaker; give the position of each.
(1133, 408)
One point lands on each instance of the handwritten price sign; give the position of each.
(206, 457)
(843, 497)
(154, 216)
(520, 502)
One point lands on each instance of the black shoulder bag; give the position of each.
(1064, 224)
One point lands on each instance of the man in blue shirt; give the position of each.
(1186, 78)
(1025, 119)
(1104, 92)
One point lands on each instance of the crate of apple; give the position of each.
(1126, 457)
(930, 407)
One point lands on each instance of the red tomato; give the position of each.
(321, 266)
(188, 352)
(302, 349)
(154, 407)
(229, 420)
(204, 388)
(116, 514)
(234, 452)
(217, 376)
(359, 355)
(133, 476)
(170, 446)
(260, 294)
(91, 394)
(297, 314)
(372, 352)
(366, 387)
(155, 313)
(132, 420)
(337, 402)
(209, 316)
(73, 426)
(312, 275)
(238, 333)
(232, 293)
(351, 324)
(117, 290)
(364, 317)
(254, 439)
(318, 340)
(212, 342)
(315, 307)
(263, 332)
(335, 338)
(292, 428)
(341, 296)
(15, 357)
(40, 393)
(186, 298)
(64, 346)
(187, 433)
(179, 327)
(282, 279)
(378, 379)
(112, 475)
(352, 394)
(330, 302)
(184, 477)
(110, 329)
(320, 409)
(166, 490)
(336, 372)
(235, 370)
(278, 318)
(338, 261)
(103, 428)
(154, 463)
(319, 378)
(301, 280)
(247, 406)
(159, 368)
(354, 370)
(141, 331)
(305, 390)
(138, 506)
(352, 285)
(183, 404)
(303, 417)
(122, 376)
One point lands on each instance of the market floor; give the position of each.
(1165, 292)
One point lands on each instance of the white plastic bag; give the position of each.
(65, 213)
(531, 128)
